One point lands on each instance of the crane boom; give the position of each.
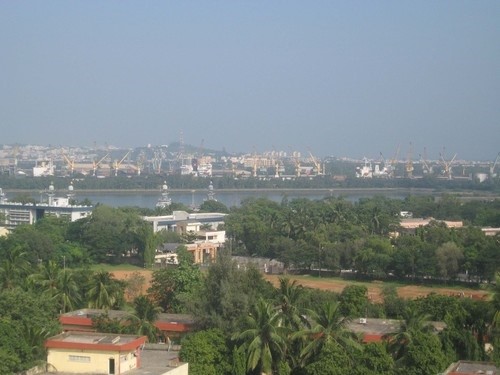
(96, 165)
(492, 169)
(119, 163)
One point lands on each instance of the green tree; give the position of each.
(27, 318)
(173, 288)
(424, 355)
(263, 337)
(105, 292)
(206, 352)
(354, 301)
(329, 325)
(289, 295)
(58, 285)
(144, 317)
(373, 360)
(213, 206)
(332, 359)
(414, 322)
(227, 293)
(448, 256)
(14, 267)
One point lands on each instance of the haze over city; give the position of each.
(351, 78)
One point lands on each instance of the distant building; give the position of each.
(377, 330)
(206, 241)
(15, 213)
(185, 219)
(410, 225)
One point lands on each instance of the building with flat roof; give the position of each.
(186, 220)
(170, 325)
(16, 213)
(94, 353)
(471, 368)
(146, 359)
(376, 330)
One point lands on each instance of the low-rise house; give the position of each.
(170, 325)
(471, 368)
(94, 353)
(377, 330)
(410, 225)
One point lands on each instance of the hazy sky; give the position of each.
(344, 78)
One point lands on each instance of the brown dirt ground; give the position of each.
(336, 285)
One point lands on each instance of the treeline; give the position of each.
(335, 234)
(154, 182)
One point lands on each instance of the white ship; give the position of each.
(366, 170)
(164, 201)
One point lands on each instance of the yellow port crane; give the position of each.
(69, 162)
(409, 162)
(447, 170)
(317, 164)
(117, 164)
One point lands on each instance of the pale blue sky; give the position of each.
(343, 78)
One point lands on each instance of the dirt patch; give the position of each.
(334, 285)
(138, 282)
(375, 288)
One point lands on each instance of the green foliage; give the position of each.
(263, 337)
(213, 206)
(26, 320)
(448, 256)
(373, 360)
(13, 344)
(354, 301)
(332, 360)
(206, 352)
(424, 355)
(328, 326)
(227, 293)
(173, 288)
(105, 292)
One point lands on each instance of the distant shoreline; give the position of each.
(294, 190)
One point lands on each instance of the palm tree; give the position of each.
(104, 291)
(288, 299)
(264, 338)
(414, 321)
(144, 318)
(57, 285)
(68, 293)
(13, 268)
(328, 326)
(46, 278)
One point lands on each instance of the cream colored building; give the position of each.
(94, 353)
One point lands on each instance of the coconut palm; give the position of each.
(68, 293)
(58, 285)
(104, 292)
(13, 268)
(328, 325)
(289, 294)
(144, 317)
(46, 278)
(264, 338)
(414, 321)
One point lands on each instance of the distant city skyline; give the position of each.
(338, 78)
